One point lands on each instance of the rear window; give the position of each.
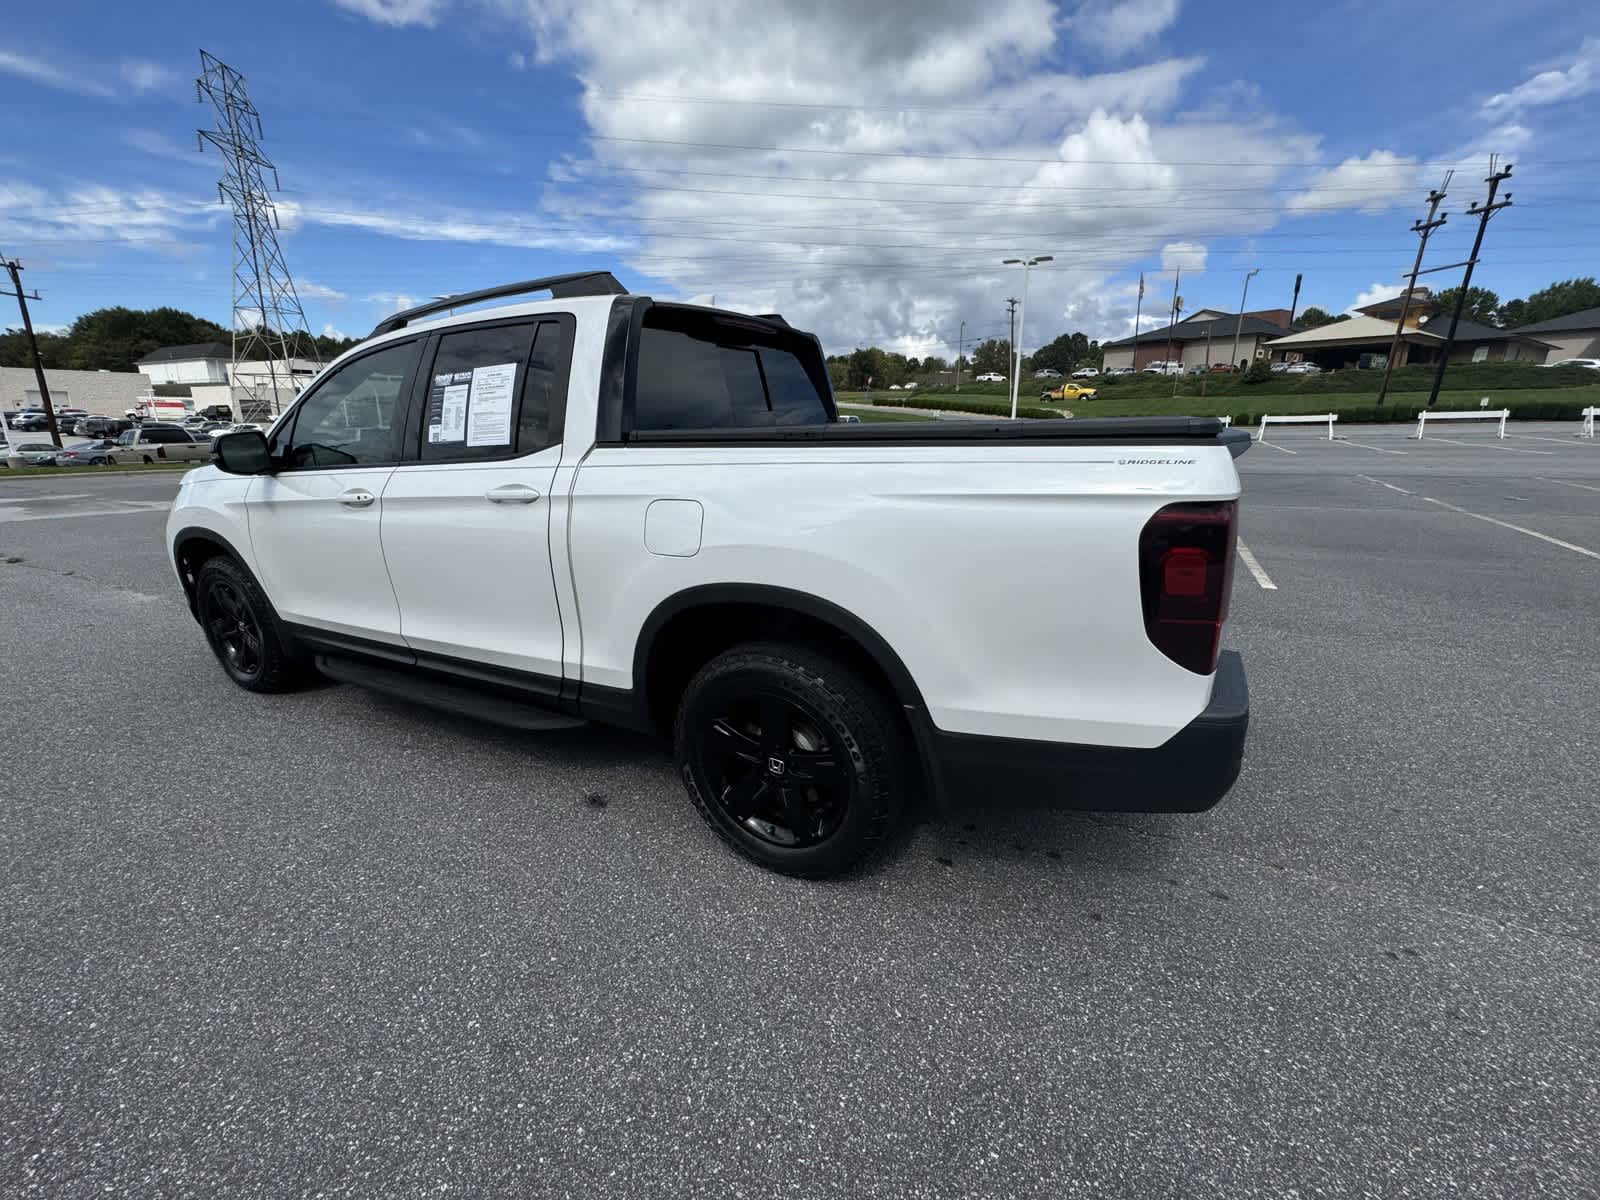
(700, 373)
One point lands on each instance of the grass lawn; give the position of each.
(877, 415)
(130, 469)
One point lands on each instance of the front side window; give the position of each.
(351, 420)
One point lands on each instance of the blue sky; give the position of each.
(861, 168)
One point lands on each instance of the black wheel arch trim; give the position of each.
(199, 533)
(631, 707)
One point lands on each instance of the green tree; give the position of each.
(1557, 300)
(1315, 318)
(115, 339)
(934, 363)
(1067, 353)
(14, 349)
(868, 363)
(1482, 305)
(991, 355)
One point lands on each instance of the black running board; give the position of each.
(475, 704)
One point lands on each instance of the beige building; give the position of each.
(108, 393)
(1365, 339)
(1576, 335)
(1204, 338)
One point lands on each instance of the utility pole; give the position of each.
(961, 351)
(33, 347)
(1294, 305)
(1172, 318)
(1424, 230)
(1011, 338)
(1137, 305)
(1210, 325)
(1239, 327)
(1483, 212)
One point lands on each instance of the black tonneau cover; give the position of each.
(1124, 430)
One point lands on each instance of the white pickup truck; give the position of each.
(604, 508)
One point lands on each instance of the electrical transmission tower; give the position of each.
(269, 326)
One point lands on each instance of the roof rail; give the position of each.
(579, 283)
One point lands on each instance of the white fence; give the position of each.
(1313, 419)
(1589, 414)
(1477, 414)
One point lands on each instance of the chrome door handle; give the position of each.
(356, 498)
(513, 493)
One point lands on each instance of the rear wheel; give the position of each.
(238, 624)
(792, 757)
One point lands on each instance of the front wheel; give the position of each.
(238, 624)
(792, 757)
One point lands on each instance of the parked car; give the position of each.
(105, 427)
(809, 684)
(1163, 367)
(1047, 373)
(87, 454)
(1221, 368)
(1304, 368)
(1278, 368)
(1085, 373)
(894, 387)
(1592, 363)
(34, 454)
(1120, 371)
(991, 377)
(155, 443)
(1068, 391)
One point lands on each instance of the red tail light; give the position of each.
(1185, 578)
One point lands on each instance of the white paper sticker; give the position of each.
(489, 416)
(453, 416)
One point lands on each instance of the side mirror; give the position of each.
(244, 453)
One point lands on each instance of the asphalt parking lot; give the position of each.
(330, 944)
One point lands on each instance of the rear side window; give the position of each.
(709, 377)
(497, 391)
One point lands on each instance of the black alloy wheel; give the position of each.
(774, 770)
(242, 631)
(233, 629)
(793, 757)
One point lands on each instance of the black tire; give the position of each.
(240, 627)
(811, 793)
(148, 461)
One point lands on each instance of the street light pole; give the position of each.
(1027, 265)
(1237, 329)
(961, 349)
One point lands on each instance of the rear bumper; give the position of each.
(1189, 773)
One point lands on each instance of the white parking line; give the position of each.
(1262, 577)
(1489, 446)
(12, 517)
(1390, 486)
(1365, 446)
(1543, 537)
(1275, 446)
(1534, 437)
(1568, 483)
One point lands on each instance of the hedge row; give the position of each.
(1363, 414)
(983, 408)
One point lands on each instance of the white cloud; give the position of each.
(142, 75)
(151, 142)
(1371, 184)
(1375, 293)
(317, 291)
(964, 145)
(485, 226)
(1118, 26)
(1185, 256)
(39, 71)
(1579, 78)
(395, 12)
(394, 301)
(328, 331)
(96, 213)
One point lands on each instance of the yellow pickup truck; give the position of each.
(1068, 391)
